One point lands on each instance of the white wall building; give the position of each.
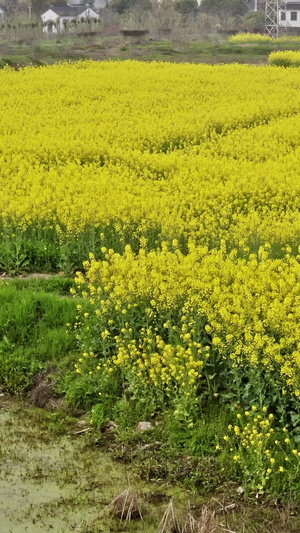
(290, 17)
(56, 19)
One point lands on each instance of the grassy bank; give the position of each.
(37, 356)
(41, 341)
(33, 332)
(39, 349)
(54, 478)
(207, 50)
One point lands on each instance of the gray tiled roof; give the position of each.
(290, 6)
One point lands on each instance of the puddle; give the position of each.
(59, 484)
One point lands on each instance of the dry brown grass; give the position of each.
(125, 506)
(207, 523)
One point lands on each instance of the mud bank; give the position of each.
(61, 483)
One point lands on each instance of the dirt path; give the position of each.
(33, 275)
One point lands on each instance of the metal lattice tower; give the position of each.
(273, 28)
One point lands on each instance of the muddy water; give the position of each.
(60, 484)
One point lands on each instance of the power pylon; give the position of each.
(273, 28)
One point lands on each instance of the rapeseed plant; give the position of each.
(285, 58)
(178, 185)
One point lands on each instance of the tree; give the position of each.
(59, 3)
(125, 5)
(11, 6)
(228, 8)
(254, 21)
(122, 5)
(186, 7)
(40, 6)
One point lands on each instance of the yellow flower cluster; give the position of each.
(249, 305)
(259, 38)
(287, 58)
(260, 449)
(151, 152)
(250, 38)
(197, 168)
(151, 359)
(255, 433)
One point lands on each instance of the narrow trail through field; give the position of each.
(33, 275)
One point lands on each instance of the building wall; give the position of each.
(288, 23)
(49, 16)
(89, 13)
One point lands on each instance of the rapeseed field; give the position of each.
(261, 38)
(286, 58)
(173, 190)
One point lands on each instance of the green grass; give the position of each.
(210, 49)
(37, 335)
(39, 342)
(33, 333)
(56, 284)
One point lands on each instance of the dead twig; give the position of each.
(169, 520)
(82, 431)
(125, 506)
(112, 503)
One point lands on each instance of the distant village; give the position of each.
(232, 16)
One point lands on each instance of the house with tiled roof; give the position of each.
(58, 18)
(290, 16)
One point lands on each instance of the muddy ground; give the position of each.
(57, 475)
(52, 480)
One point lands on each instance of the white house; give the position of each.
(56, 19)
(290, 16)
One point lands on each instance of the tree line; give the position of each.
(221, 8)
